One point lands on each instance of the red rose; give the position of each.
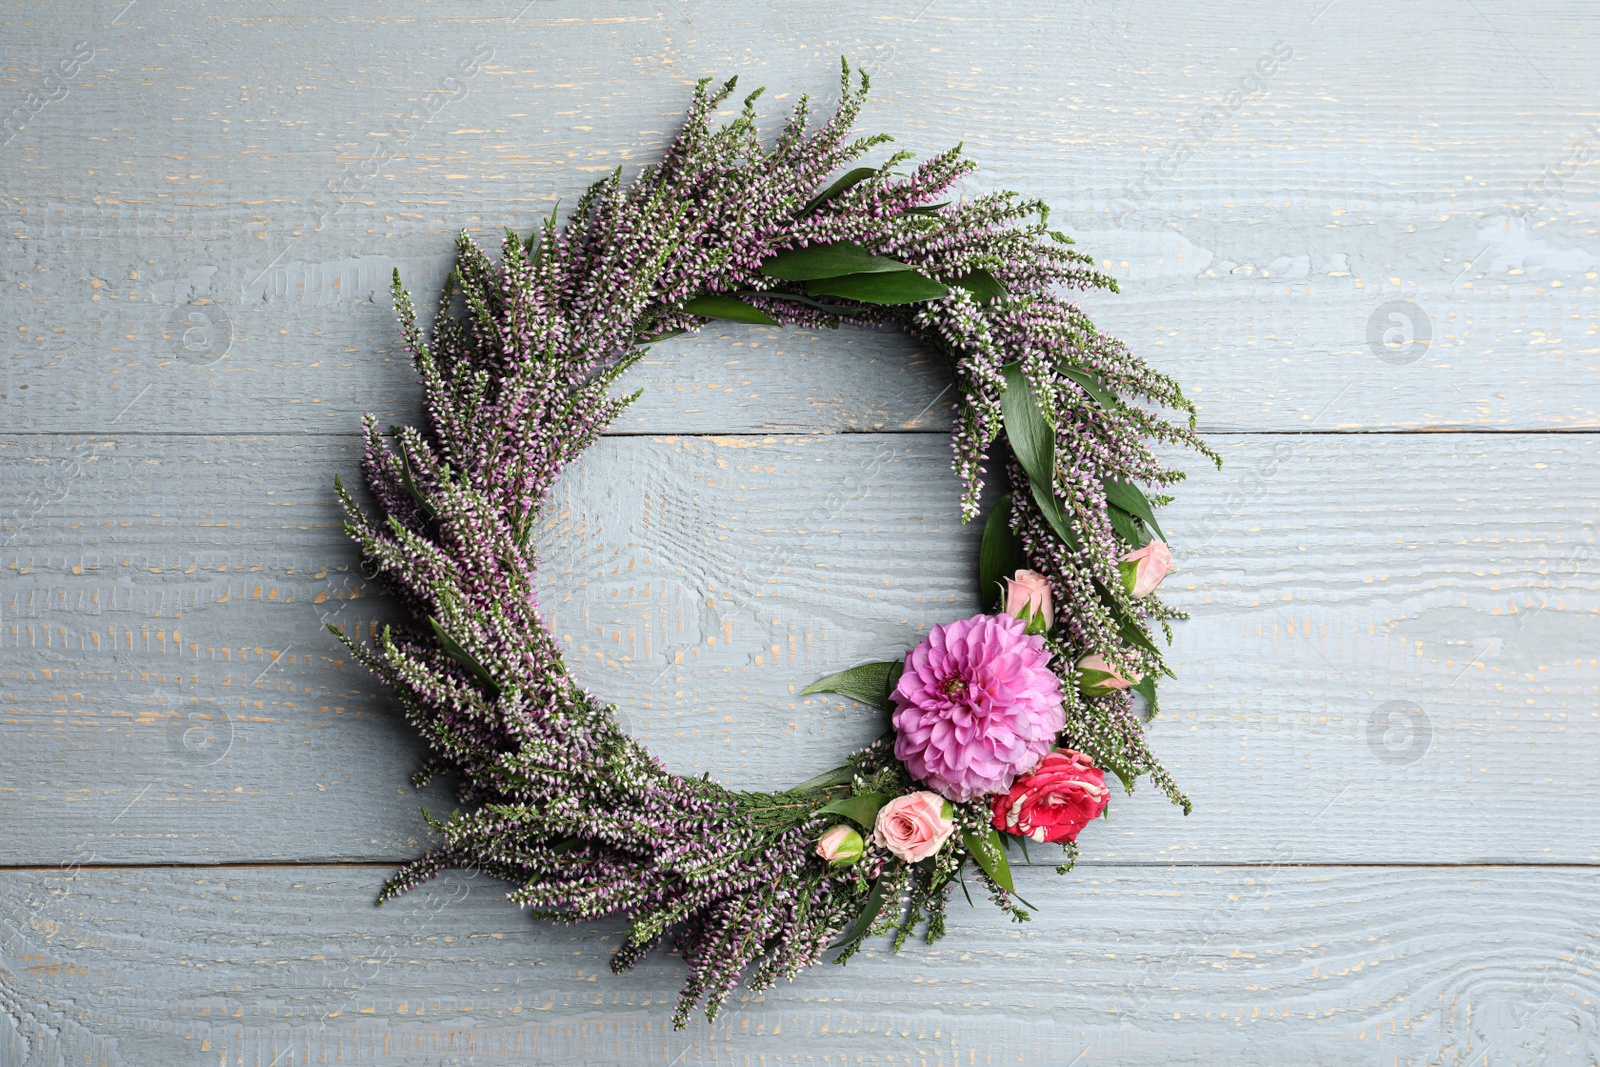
(1057, 800)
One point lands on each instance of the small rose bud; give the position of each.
(1096, 677)
(840, 846)
(1028, 598)
(1143, 570)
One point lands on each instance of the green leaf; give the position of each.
(1032, 437)
(1126, 775)
(927, 209)
(453, 649)
(869, 912)
(1093, 387)
(1131, 498)
(1146, 687)
(1129, 569)
(796, 298)
(1127, 527)
(982, 284)
(827, 779)
(903, 287)
(870, 683)
(861, 810)
(990, 856)
(1127, 626)
(840, 187)
(408, 479)
(1054, 514)
(1000, 557)
(641, 342)
(829, 261)
(726, 307)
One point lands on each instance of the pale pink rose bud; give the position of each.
(1028, 598)
(1096, 677)
(1143, 570)
(914, 826)
(841, 846)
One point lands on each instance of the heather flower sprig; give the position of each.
(518, 371)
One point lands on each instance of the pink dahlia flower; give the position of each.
(977, 706)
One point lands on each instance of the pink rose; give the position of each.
(1143, 570)
(841, 846)
(1028, 598)
(914, 826)
(1062, 796)
(1096, 677)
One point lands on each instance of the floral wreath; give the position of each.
(1003, 725)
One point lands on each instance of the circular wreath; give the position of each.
(1003, 724)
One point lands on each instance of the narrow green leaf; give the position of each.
(928, 209)
(1032, 437)
(1000, 557)
(827, 779)
(1127, 527)
(868, 683)
(1125, 775)
(1146, 687)
(840, 187)
(1093, 387)
(892, 682)
(1127, 626)
(454, 650)
(902, 287)
(869, 912)
(796, 298)
(641, 342)
(1054, 514)
(861, 810)
(727, 307)
(829, 261)
(1131, 498)
(982, 284)
(408, 479)
(985, 848)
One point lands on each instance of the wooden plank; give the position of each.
(215, 259)
(1265, 966)
(1389, 632)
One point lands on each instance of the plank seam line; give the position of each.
(302, 865)
(356, 435)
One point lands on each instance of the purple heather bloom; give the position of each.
(977, 706)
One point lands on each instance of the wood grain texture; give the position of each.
(1335, 223)
(164, 628)
(200, 241)
(1267, 966)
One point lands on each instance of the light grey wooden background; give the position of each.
(1375, 268)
